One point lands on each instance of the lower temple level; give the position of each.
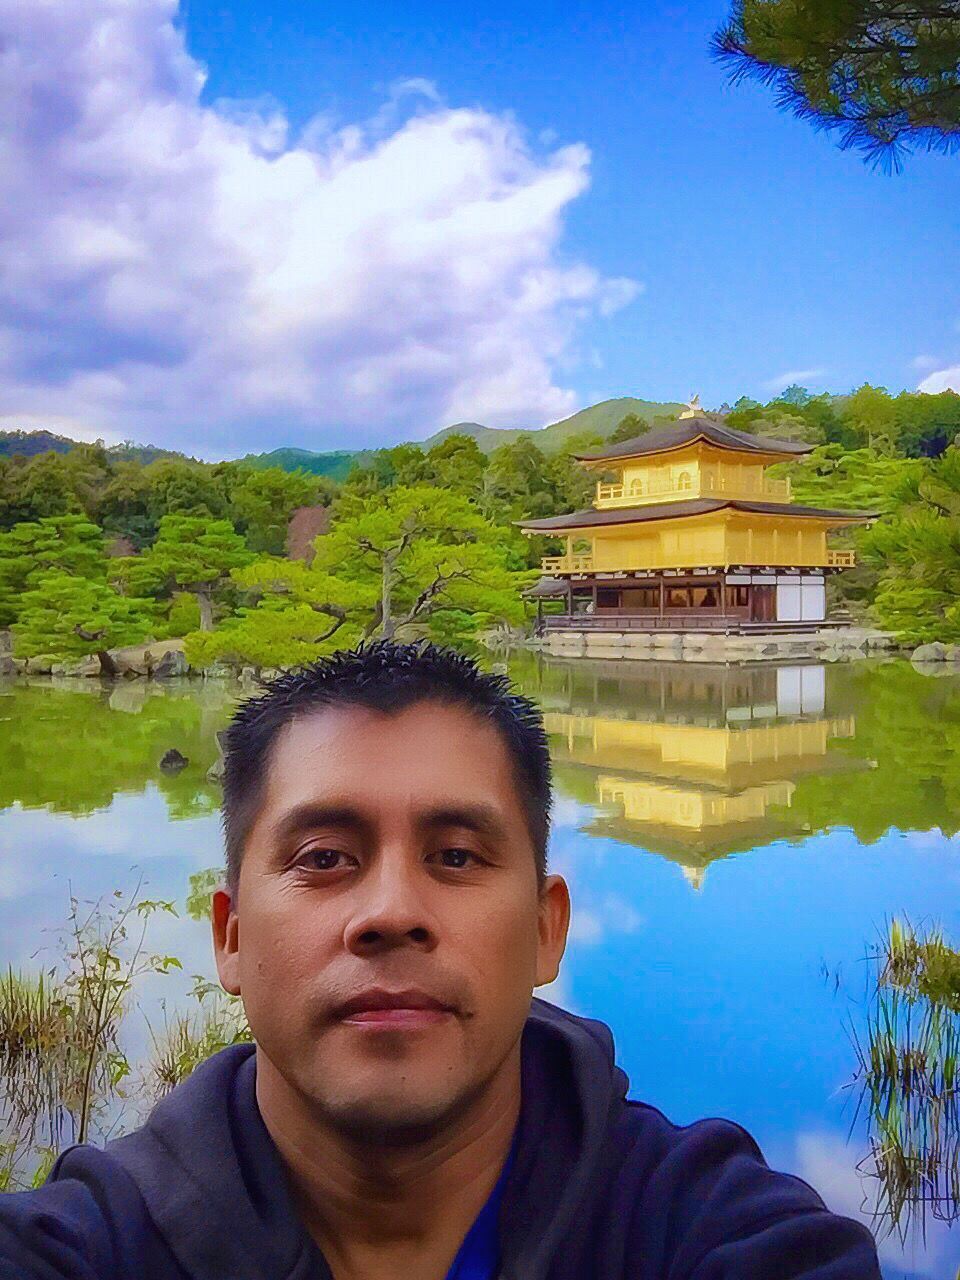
(722, 601)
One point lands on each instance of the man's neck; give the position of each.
(398, 1210)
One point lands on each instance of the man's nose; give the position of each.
(390, 909)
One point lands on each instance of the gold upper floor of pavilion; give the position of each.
(693, 494)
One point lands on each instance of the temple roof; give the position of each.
(546, 587)
(686, 431)
(690, 507)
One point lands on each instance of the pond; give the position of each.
(737, 841)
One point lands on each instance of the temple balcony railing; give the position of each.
(567, 564)
(655, 561)
(638, 492)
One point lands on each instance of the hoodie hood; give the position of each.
(213, 1182)
(216, 1189)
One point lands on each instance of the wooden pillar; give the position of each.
(594, 596)
(569, 598)
(661, 597)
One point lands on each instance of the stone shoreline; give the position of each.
(839, 644)
(165, 659)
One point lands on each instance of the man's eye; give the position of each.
(458, 859)
(322, 859)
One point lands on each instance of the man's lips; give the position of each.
(397, 1010)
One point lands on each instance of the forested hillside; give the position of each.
(99, 550)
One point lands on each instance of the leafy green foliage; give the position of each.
(629, 426)
(335, 465)
(850, 480)
(67, 617)
(405, 561)
(882, 73)
(261, 503)
(917, 551)
(191, 553)
(71, 544)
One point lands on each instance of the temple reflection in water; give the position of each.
(691, 762)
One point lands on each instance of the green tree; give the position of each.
(457, 463)
(192, 554)
(261, 502)
(407, 561)
(917, 553)
(884, 74)
(871, 415)
(37, 487)
(127, 506)
(404, 464)
(926, 425)
(69, 543)
(628, 428)
(424, 551)
(795, 395)
(66, 617)
(851, 480)
(182, 487)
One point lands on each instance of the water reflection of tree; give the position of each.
(908, 728)
(74, 750)
(908, 1064)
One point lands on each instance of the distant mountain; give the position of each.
(30, 443)
(600, 419)
(335, 464)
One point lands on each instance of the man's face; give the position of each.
(389, 926)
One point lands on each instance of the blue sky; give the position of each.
(372, 219)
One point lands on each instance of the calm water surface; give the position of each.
(735, 840)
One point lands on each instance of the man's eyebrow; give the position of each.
(484, 819)
(316, 814)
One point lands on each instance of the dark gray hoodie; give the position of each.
(601, 1187)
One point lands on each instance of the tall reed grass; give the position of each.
(908, 1073)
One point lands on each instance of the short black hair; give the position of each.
(384, 676)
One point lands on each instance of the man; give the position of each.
(408, 1110)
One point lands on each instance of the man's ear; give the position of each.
(226, 940)
(552, 926)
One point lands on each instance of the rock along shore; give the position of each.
(834, 644)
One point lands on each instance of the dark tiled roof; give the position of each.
(689, 429)
(691, 507)
(547, 587)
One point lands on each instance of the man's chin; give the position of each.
(387, 1121)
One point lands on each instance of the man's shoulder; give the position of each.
(703, 1191)
(87, 1220)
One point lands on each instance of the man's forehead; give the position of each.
(368, 747)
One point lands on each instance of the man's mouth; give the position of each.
(408, 1010)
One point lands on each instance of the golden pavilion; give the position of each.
(692, 533)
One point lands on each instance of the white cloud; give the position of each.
(941, 380)
(924, 362)
(186, 272)
(790, 376)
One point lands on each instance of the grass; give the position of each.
(61, 1062)
(187, 1039)
(908, 1070)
